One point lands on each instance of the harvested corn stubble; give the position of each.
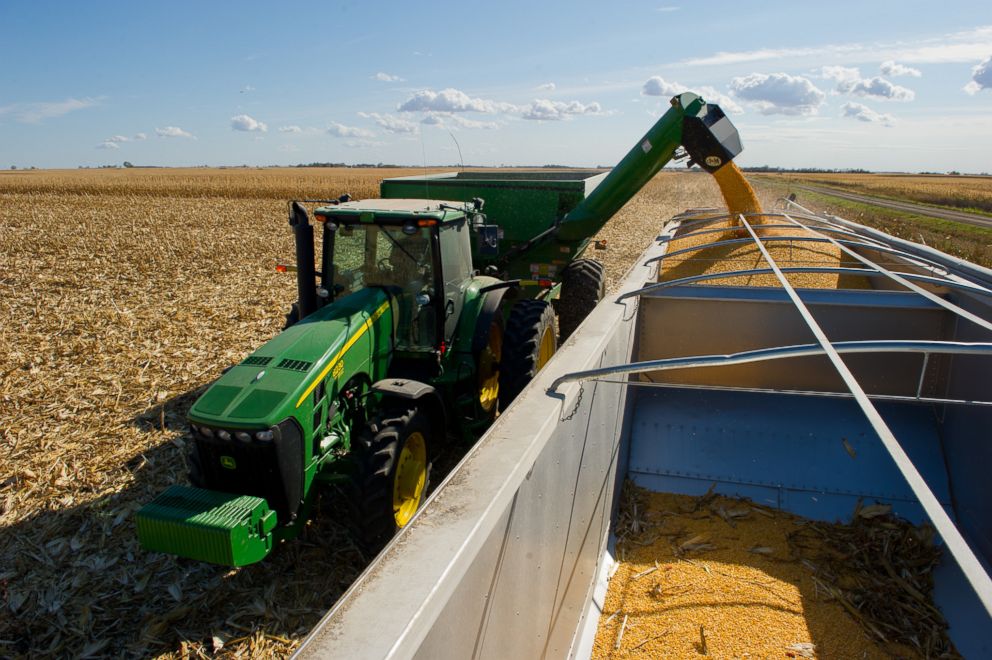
(124, 294)
(749, 595)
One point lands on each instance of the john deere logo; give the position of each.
(713, 161)
(228, 462)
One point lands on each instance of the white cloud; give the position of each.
(342, 131)
(841, 74)
(363, 144)
(981, 77)
(33, 113)
(140, 136)
(391, 123)
(290, 129)
(891, 68)
(876, 87)
(545, 110)
(726, 103)
(865, 114)
(119, 138)
(449, 120)
(248, 124)
(108, 144)
(451, 100)
(172, 132)
(386, 77)
(546, 87)
(658, 86)
(966, 46)
(778, 93)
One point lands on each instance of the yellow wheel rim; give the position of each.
(410, 478)
(547, 347)
(489, 368)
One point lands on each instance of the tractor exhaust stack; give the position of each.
(306, 276)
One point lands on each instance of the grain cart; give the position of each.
(425, 317)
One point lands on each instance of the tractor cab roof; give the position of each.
(393, 210)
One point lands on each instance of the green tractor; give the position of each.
(424, 320)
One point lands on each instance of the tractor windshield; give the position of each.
(377, 255)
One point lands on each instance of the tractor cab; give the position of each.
(418, 251)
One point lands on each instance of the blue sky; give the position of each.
(877, 84)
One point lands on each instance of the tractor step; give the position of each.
(207, 525)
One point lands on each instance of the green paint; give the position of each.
(401, 288)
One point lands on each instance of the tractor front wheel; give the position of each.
(395, 470)
(583, 285)
(528, 343)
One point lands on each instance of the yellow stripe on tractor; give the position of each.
(344, 349)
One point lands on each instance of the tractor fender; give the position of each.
(490, 307)
(425, 395)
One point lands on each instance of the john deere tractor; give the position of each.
(424, 319)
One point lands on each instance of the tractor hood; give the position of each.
(270, 384)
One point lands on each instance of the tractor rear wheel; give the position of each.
(394, 453)
(583, 285)
(528, 344)
(488, 369)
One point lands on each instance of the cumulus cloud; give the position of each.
(108, 144)
(386, 77)
(545, 110)
(778, 93)
(247, 124)
(878, 88)
(140, 136)
(865, 114)
(891, 68)
(450, 100)
(546, 87)
(34, 113)
(390, 123)
(172, 132)
(658, 86)
(456, 121)
(841, 74)
(363, 144)
(981, 77)
(342, 131)
(290, 129)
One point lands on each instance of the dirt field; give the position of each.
(125, 293)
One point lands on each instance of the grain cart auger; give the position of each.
(425, 317)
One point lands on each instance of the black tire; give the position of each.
(193, 468)
(293, 316)
(583, 285)
(488, 364)
(379, 448)
(528, 326)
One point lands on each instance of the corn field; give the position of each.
(125, 293)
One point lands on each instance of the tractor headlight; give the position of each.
(242, 436)
(205, 431)
(264, 436)
(223, 435)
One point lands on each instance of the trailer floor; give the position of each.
(719, 580)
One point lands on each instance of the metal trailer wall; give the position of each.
(501, 561)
